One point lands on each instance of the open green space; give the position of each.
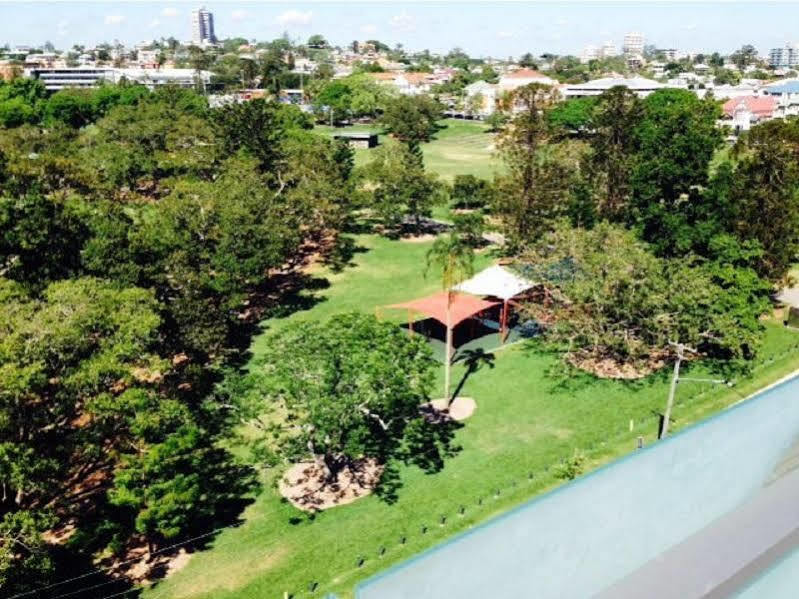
(529, 418)
(461, 147)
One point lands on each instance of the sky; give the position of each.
(495, 29)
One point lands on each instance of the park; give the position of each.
(535, 427)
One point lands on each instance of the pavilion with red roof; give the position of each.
(461, 307)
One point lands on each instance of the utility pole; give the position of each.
(680, 349)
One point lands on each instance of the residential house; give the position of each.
(640, 86)
(489, 92)
(522, 77)
(786, 93)
(749, 110)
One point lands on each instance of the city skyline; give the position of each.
(482, 29)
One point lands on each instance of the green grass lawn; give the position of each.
(528, 419)
(459, 148)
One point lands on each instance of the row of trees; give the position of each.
(136, 254)
(637, 234)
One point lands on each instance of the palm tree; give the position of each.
(455, 259)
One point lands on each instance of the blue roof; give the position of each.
(789, 87)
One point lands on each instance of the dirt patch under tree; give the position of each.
(306, 485)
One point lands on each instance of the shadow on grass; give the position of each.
(473, 360)
(342, 253)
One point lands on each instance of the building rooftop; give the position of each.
(789, 86)
(525, 74)
(633, 83)
(761, 106)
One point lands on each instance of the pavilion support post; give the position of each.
(504, 322)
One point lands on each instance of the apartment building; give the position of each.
(785, 57)
(202, 27)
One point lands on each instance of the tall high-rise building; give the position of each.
(633, 44)
(787, 56)
(589, 53)
(202, 27)
(608, 50)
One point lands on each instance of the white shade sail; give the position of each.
(495, 281)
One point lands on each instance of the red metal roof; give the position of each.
(525, 74)
(761, 106)
(463, 306)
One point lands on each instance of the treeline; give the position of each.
(138, 248)
(644, 228)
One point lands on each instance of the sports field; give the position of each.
(461, 147)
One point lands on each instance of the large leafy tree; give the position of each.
(533, 191)
(764, 192)
(56, 355)
(399, 187)
(412, 119)
(345, 389)
(609, 296)
(675, 141)
(610, 164)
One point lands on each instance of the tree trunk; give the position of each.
(664, 430)
(448, 349)
(334, 466)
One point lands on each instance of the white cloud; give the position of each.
(503, 35)
(294, 17)
(154, 23)
(170, 12)
(114, 19)
(62, 28)
(403, 22)
(238, 15)
(690, 26)
(369, 28)
(561, 22)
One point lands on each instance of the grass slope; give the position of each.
(528, 420)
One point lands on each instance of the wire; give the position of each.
(109, 568)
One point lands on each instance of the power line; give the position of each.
(109, 568)
(247, 537)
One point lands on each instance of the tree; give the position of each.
(469, 227)
(744, 56)
(334, 101)
(726, 77)
(253, 127)
(341, 390)
(469, 191)
(25, 564)
(496, 120)
(412, 119)
(615, 117)
(675, 141)
(528, 61)
(609, 296)
(575, 115)
(317, 41)
(70, 106)
(400, 186)
(453, 257)
(764, 191)
(40, 238)
(177, 486)
(533, 191)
